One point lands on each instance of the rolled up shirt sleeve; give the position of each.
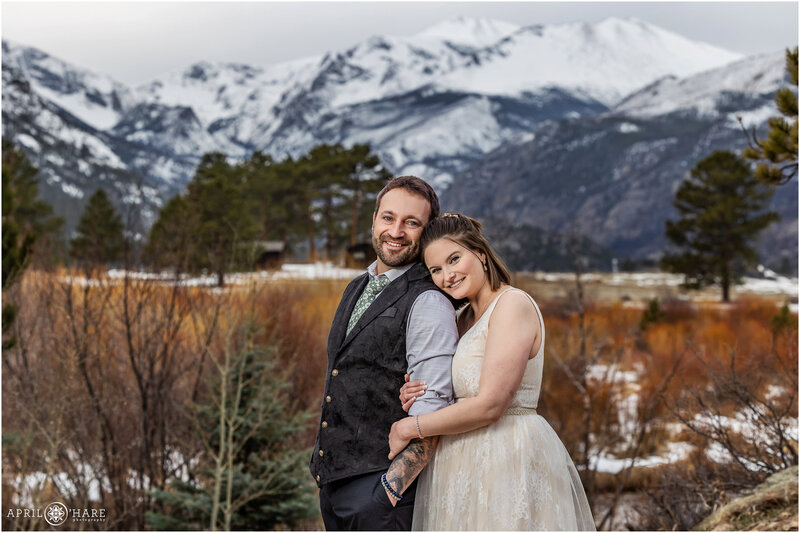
(431, 339)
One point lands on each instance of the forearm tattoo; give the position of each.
(409, 463)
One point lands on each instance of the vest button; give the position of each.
(328, 399)
(317, 479)
(335, 373)
(324, 424)
(321, 453)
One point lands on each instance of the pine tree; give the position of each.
(171, 242)
(252, 476)
(267, 183)
(721, 209)
(779, 149)
(365, 176)
(339, 189)
(99, 236)
(26, 222)
(223, 213)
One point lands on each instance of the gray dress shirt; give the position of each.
(431, 340)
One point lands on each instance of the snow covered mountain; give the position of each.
(431, 104)
(96, 99)
(75, 158)
(489, 81)
(612, 177)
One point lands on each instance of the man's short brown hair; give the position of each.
(414, 185)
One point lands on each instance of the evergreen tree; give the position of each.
(330, 192)
(779, 149)
(171, 242)
(721, 209)
(340, 185)
(252, 476)
(22, 208)
(267, 183)
(99, 236)
(365, 176)
(26, 223)
(223, 215)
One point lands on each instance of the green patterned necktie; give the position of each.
(374, 286)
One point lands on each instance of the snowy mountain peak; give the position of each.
(724, 90)
(477, 32)
(96, 99)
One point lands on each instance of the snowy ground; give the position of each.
(770, 285)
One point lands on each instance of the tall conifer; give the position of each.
(224, 222)
(99, 236)
(721, 209)
(25, 220)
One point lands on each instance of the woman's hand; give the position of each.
(401, 434)
(410, 392)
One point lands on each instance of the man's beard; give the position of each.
(408, 256)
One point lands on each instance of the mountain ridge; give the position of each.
(434, 106)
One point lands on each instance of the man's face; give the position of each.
(397, 227)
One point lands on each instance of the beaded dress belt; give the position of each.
(520, 411)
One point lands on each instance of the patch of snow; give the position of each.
(753, 117)
(601, 372)
(746, 424)
(100, 152)
(613, 465)
(28, 142)
(478, 32)
(71, 190)
(55, 159)
(97, 116)
(321, 270)
(778, 285)
(627, 127)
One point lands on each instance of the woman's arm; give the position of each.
(513, 331)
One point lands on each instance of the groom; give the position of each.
(391, 321)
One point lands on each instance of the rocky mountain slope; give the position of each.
(431, 104)
(612, 176)
(587, 127)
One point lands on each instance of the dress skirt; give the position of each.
(514, 474)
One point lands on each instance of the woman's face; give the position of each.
(455, 269)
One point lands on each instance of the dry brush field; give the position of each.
(97, 392)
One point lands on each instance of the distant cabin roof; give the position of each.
(271, 246)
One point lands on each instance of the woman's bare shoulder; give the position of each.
(514, 305)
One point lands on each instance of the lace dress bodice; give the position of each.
(468, 360)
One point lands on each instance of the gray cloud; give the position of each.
(136, 41)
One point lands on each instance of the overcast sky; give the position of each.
(137, 41)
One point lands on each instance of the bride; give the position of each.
(498, 465)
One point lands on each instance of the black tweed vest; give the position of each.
(365, 373)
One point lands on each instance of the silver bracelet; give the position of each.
(416, 423)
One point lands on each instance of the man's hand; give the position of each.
(401, 434)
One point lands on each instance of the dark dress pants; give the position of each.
(360, 503)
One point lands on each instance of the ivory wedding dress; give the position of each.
(513, 474)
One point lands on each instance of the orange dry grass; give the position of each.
(98, 354)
